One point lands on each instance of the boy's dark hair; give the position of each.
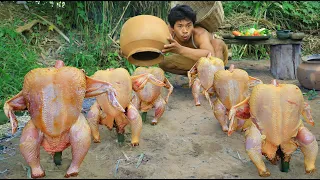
(180, 12)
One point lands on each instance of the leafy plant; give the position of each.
(113, 63)
(312, 94)
(59, 20)
(250, 51)
(17, 58)
(296, 15)
(130, 67)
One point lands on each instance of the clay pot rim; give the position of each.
(313, 56)
(144, 49)
(145, 62)
(284, 31)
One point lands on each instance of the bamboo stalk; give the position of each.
(27, 27)
(114, 29)
(113, 41)
(54, 27)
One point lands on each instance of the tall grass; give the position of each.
(17, 58)
(294, 15)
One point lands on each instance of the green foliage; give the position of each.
(130, 67)
(312, 94)
(250, 51)
(3, 119)
(17, 58)
(59, 20)
(298, 16)
(167, 75)
(294, 15)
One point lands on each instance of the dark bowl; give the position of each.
(284, 30)
(283, 34)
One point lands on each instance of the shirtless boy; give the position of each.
(189, 42)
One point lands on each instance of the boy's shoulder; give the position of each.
(200, 31)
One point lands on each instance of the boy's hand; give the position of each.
(173, 47)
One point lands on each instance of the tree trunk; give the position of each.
(284, 60)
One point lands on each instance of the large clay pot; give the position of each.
(308, 72)
(142, 38)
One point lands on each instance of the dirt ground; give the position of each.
(187, 143)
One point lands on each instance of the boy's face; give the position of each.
(183, 29)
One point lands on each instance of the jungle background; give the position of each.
(188, 141)
(85, 34)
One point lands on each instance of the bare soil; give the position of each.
(187, 143)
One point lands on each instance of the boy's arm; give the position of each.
(194, 54)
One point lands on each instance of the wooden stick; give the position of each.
(113, 40)
(54, 27)
(28, 26)
(125, 156)
(114, 29)
(238, 155)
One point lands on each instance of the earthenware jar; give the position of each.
(142, 38)
(283, 34)
(308, 72)
(297, 36)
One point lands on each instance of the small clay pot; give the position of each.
(142, 38)
(297, 36)
(308, 72)
(283, 34)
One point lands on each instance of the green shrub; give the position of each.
(17, 58)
